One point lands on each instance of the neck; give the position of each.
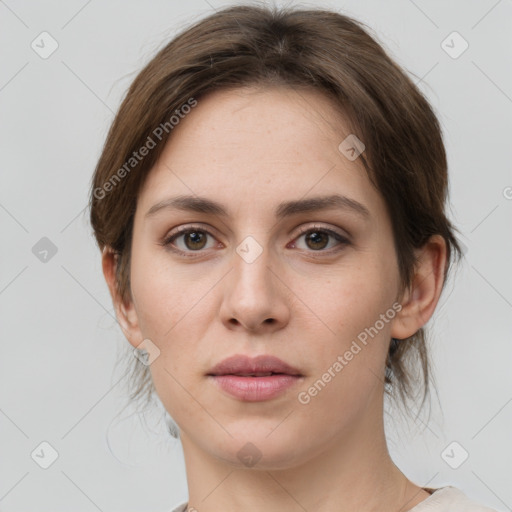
(353, 471)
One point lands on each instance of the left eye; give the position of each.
(320, 239)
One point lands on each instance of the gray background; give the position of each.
(59, 342)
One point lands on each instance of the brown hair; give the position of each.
(245, 46)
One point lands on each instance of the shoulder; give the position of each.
(449, 499)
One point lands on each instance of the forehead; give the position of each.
(270, 144)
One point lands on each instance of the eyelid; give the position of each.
(311, 227)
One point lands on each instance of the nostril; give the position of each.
(269, 321)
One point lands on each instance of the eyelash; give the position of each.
(167, 242)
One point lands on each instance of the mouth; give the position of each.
(254, 380)
(260, 366)
(257, 374)
(254, 388)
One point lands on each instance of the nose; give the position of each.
(255, 299)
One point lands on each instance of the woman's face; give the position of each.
(274, 274)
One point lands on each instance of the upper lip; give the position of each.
(245, 365)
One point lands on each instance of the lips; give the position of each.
(260, 366)
(254, 379)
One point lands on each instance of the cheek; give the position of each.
(165, 296)
(175, 308)
(171, 313)
(353, 310)
(348, 299)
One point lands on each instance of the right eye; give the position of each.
(188, 239)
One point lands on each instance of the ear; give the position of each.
(420, 300)
(125, 310)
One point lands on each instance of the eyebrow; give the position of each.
(285, 209)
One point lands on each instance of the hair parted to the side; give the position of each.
(304, 49)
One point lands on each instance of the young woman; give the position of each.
(270, 206)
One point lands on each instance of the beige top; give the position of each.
(448, 499)
(444, 499)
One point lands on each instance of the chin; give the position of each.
(258, 447)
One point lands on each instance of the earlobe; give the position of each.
(420, 300)
(125, 311)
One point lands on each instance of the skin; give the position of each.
(250, 149)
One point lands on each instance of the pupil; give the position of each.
(319, 240)
(197, 240)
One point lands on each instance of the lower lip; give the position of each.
(255, 389)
